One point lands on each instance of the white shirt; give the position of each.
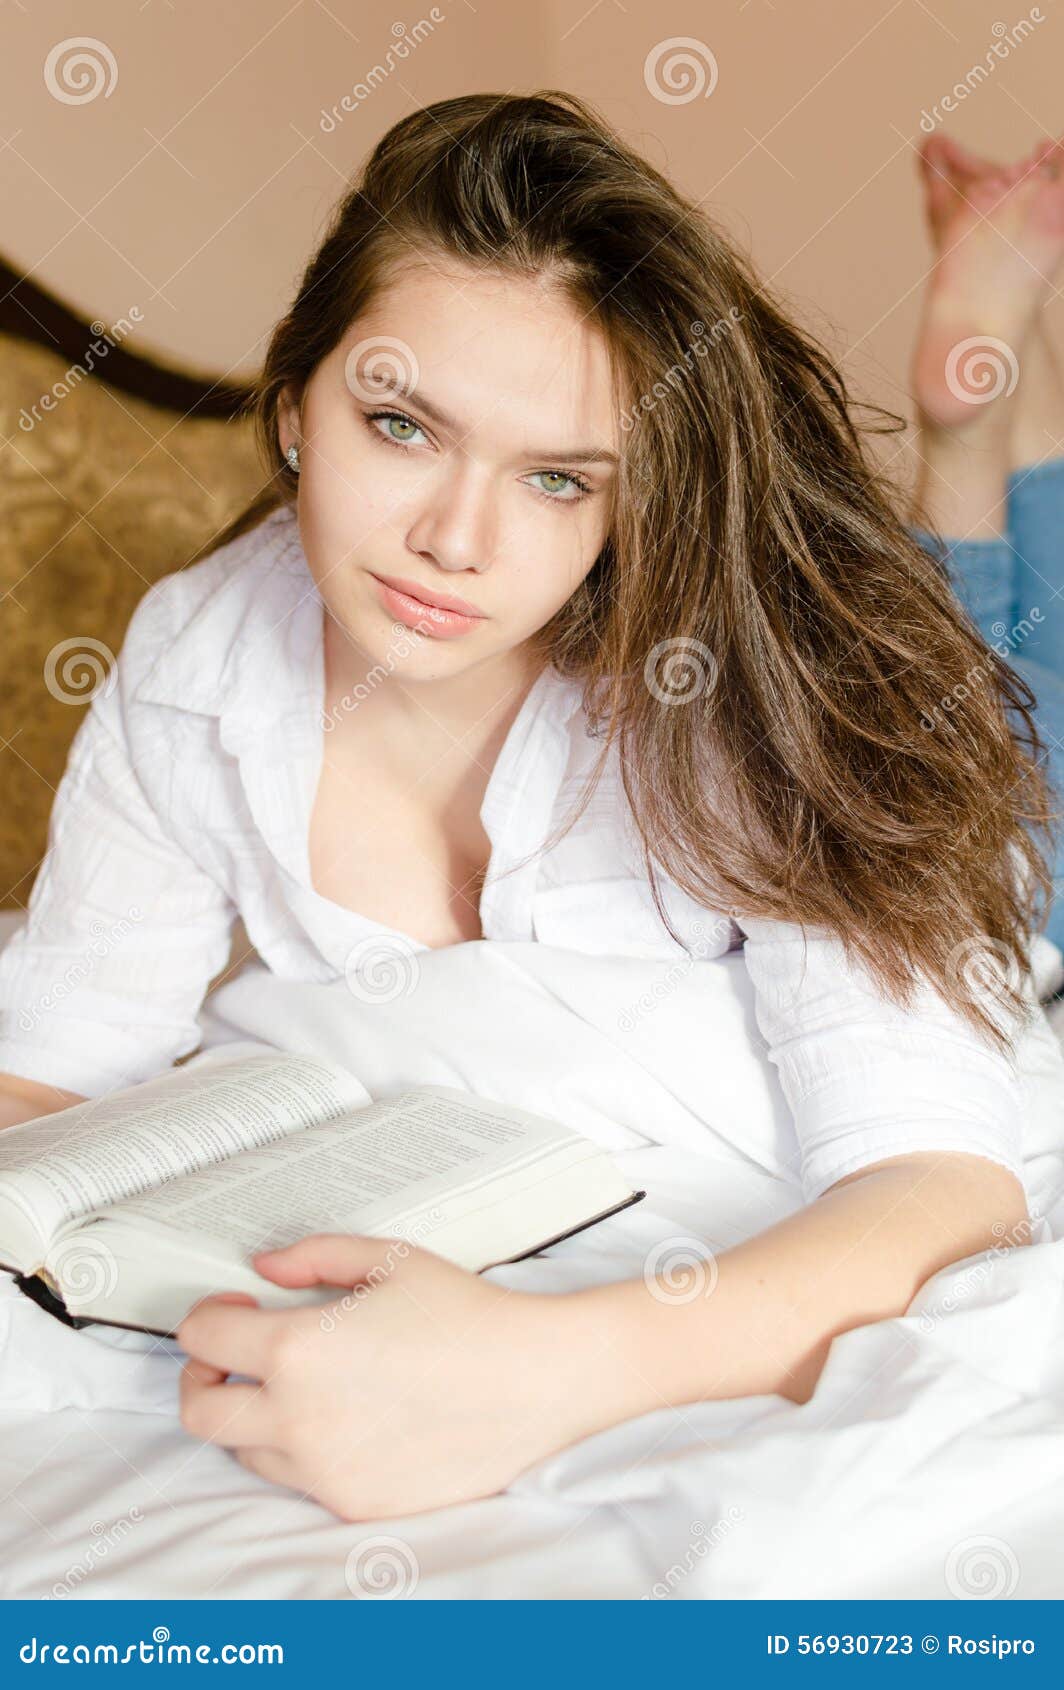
(186, 802)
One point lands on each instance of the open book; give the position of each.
(128, 1209)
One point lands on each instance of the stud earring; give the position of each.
(292, 455)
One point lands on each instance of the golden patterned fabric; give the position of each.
(99, 496)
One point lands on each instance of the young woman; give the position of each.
(525, 381)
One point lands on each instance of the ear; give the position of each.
(289, 424)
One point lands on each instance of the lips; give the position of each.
(434, 601)
(427, 620)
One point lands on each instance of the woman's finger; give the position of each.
(228, 1415)
(232, 1336)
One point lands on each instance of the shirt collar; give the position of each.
(247, 631)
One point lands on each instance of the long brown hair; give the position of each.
(810, 728)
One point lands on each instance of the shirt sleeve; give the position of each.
(101, 985)
(867, 1078)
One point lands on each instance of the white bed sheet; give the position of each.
(929, 1462)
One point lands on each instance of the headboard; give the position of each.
(114, 470)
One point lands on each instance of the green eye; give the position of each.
(555, 492)
(396, 423)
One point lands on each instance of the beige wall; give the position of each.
(195, 189)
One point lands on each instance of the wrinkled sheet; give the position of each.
(929, 1461)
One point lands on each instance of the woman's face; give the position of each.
(445, 444)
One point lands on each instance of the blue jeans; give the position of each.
(1013, 589)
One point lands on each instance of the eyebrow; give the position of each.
(574, 455)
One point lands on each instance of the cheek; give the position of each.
(573, 556)
(550, 569)
(349, 479)
(343, 512)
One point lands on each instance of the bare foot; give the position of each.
(998, 232)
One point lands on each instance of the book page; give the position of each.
(63, 1166)
(363, 1172)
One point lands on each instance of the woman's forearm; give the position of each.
(24, 1100)
(761, 1318)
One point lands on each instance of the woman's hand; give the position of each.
(425, 1385)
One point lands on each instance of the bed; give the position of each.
(929, 1461)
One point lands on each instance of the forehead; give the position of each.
(514, 350)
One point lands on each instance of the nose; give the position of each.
(456, 523)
